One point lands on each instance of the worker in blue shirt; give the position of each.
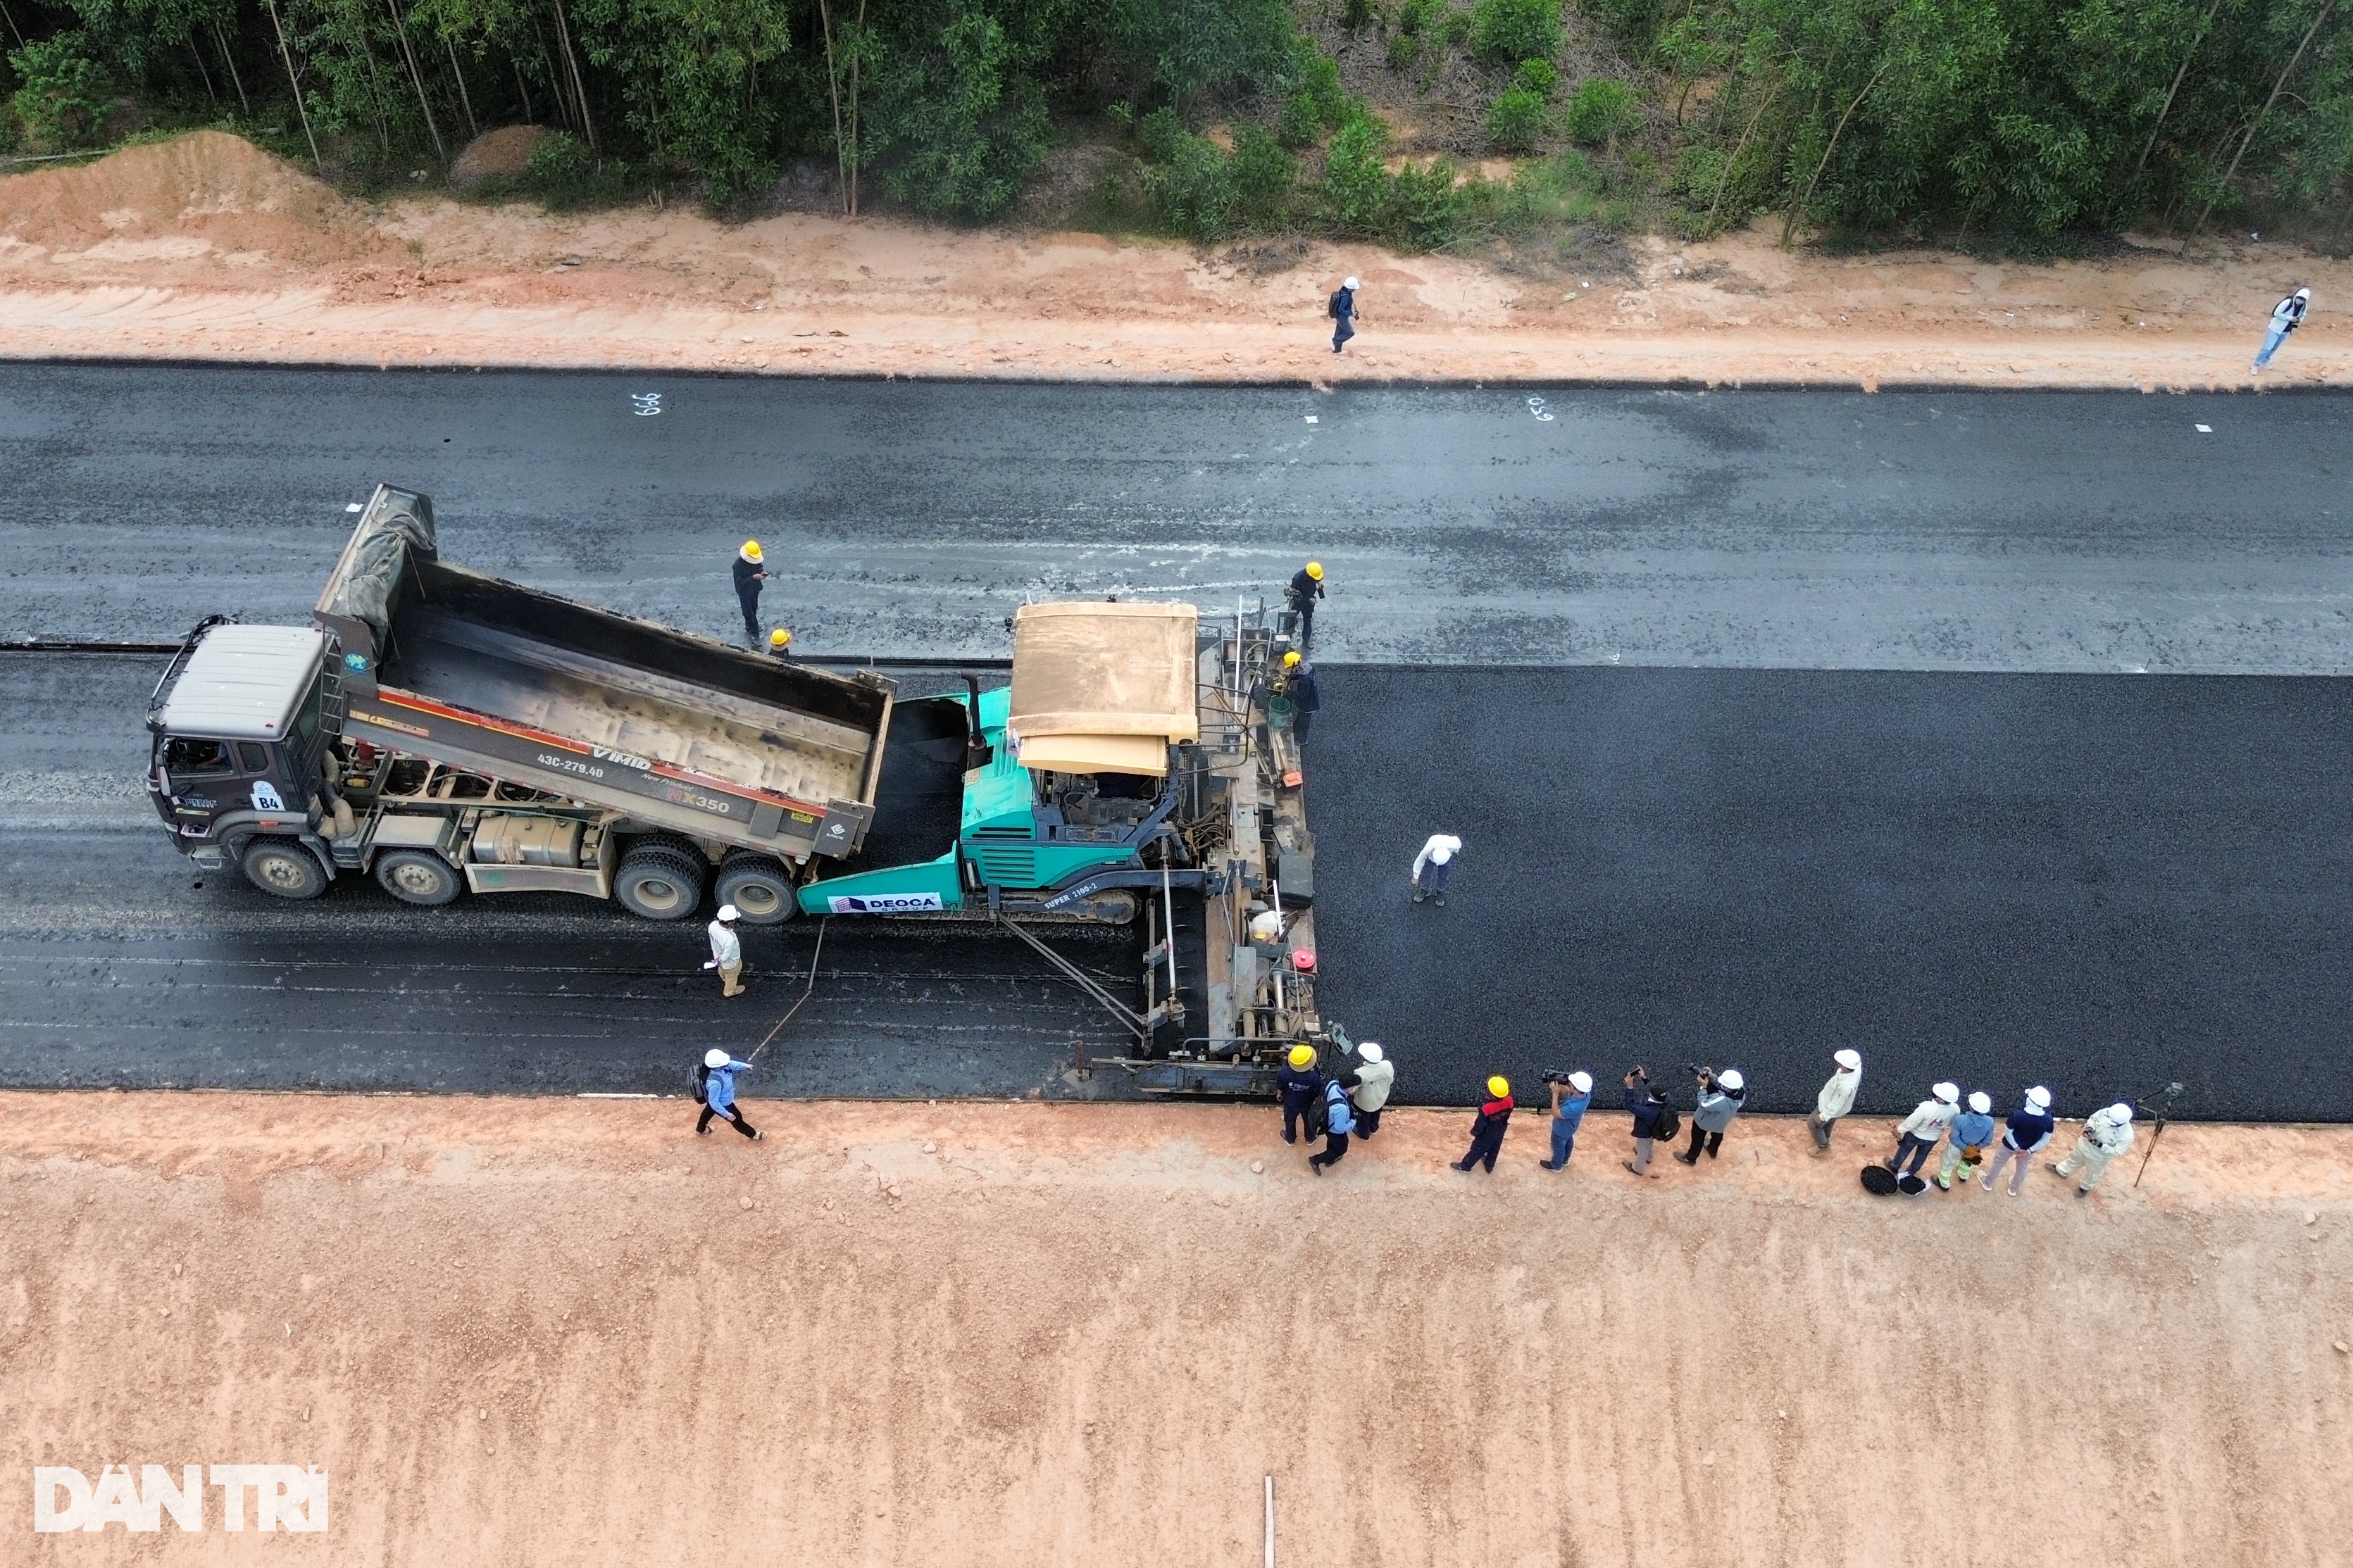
(1966, 1144)
(1300, 1085)
(1339, 1121)
(1570, 1095)
(719, 1071)
(2026, 1133)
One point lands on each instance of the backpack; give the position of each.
(702, 1084)
(1668, 1124)
(1331, 306)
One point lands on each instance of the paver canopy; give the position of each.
(1102, 688)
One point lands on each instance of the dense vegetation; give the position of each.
(1938, 117)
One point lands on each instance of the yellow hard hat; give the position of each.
(1302, 1054)
(1500, 1086)
(779, 638)
(1291, 659)
(751, 550)
(1316, 570)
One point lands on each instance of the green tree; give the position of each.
(965, 120)
(61, 95)
(1503, 31)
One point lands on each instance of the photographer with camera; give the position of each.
(1571, 1093)
(1720, 1096)
(1653, 1118)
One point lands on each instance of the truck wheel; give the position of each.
(415, 876)
(761, 889)
(659, 883)
(285, 869)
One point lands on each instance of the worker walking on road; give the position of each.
(719, 1074)
(1966, 1144)
(1434, 868)
(1653, 1118)
(1836, 1099)
(2023, 1136)
(1920, 1132)
(2106, 1134)
(1342, 308)
(1720, 1098)
(1339, 1121)
(1300, 1085)
(1570, 1095)
(726, 951)
(2286, 317)
(1369, 1085)
(1306, 588)
(1487, 1131)
(750, 572)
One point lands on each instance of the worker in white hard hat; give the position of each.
(1571, 1093)
(1342, 309)
(717, 1091)
(1306, 589)
(1433, 868)
(751, 571)
(2027, 1130)
(1966, 1144)
(1720, 1095)
(727, 951)
(2106, 1134)
(1369, 1083)
(1924, 1129)
(1836, 1099)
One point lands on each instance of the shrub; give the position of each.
(1602, 109)
(1298, 124)
(1163, 133)
(1194, 191)
(1425, 208)
(1264, 176)
(1537, 76)
(1423, 18)
(1404, 49)
(1503, 31)
(1357, 14)
(1516, 121)
(1319, 78)
(62, 100)
(1356, 189)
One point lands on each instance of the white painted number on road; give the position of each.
(1537, 406)
(648, 402)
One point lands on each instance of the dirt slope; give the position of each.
(205, 248)
(568, 1332)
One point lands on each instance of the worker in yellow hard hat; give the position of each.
(1306, 587)
(780, 644)
(750, 572)
(1300, 1085)
(1487, 1132)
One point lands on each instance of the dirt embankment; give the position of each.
(569, 1332)
(205, 248)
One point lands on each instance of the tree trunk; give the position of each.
(417, 78)
(197, 56)
(295, 83)
(856, 58)
(1789, 219)
(2150, 145)
(2256, 123)
(579, 88)
(833, 88)
(465, 99)
(229, 55)
(523, 91)
(15, 31)
(1725, 179)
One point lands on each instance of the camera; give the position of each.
(1697, 1071)
(1556, 1075)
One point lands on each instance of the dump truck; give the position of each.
(446, 731)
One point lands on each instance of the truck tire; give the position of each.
(284, 869)
(418, 877)
(761, 889)
(659, 883)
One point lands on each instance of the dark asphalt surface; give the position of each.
(2098, 882)
(2026, 531)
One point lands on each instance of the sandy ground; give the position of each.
(205, 248)
(567, 1331)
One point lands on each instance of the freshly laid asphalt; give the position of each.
(2099, 883)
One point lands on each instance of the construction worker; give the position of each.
(2024, 1135)
(1342, 308)
(1919, 1133)
(1648, 1101)
(1487, 1131)
(1720, 1098)
(1836, 1099)
(1966, 1145)
(1299, 685)
(2106, 1134)
(719, 1092)
(1300, 1085)
(726, 951)
(1434, 866)
(1570, 1096)
(780, 644)
(1306, 587)
(749, 574)
(1369, 1085)
(1339, 1121)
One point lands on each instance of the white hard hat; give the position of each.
(1348, 283)
(1948, 1092)
(2038, 1098)
(2120, 1111)
(714, 1057)
(1850, 1061)
(1581, 1081)
(1981, 1102)
(727, 912)
(1730, 1078)
(1370, 1050)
